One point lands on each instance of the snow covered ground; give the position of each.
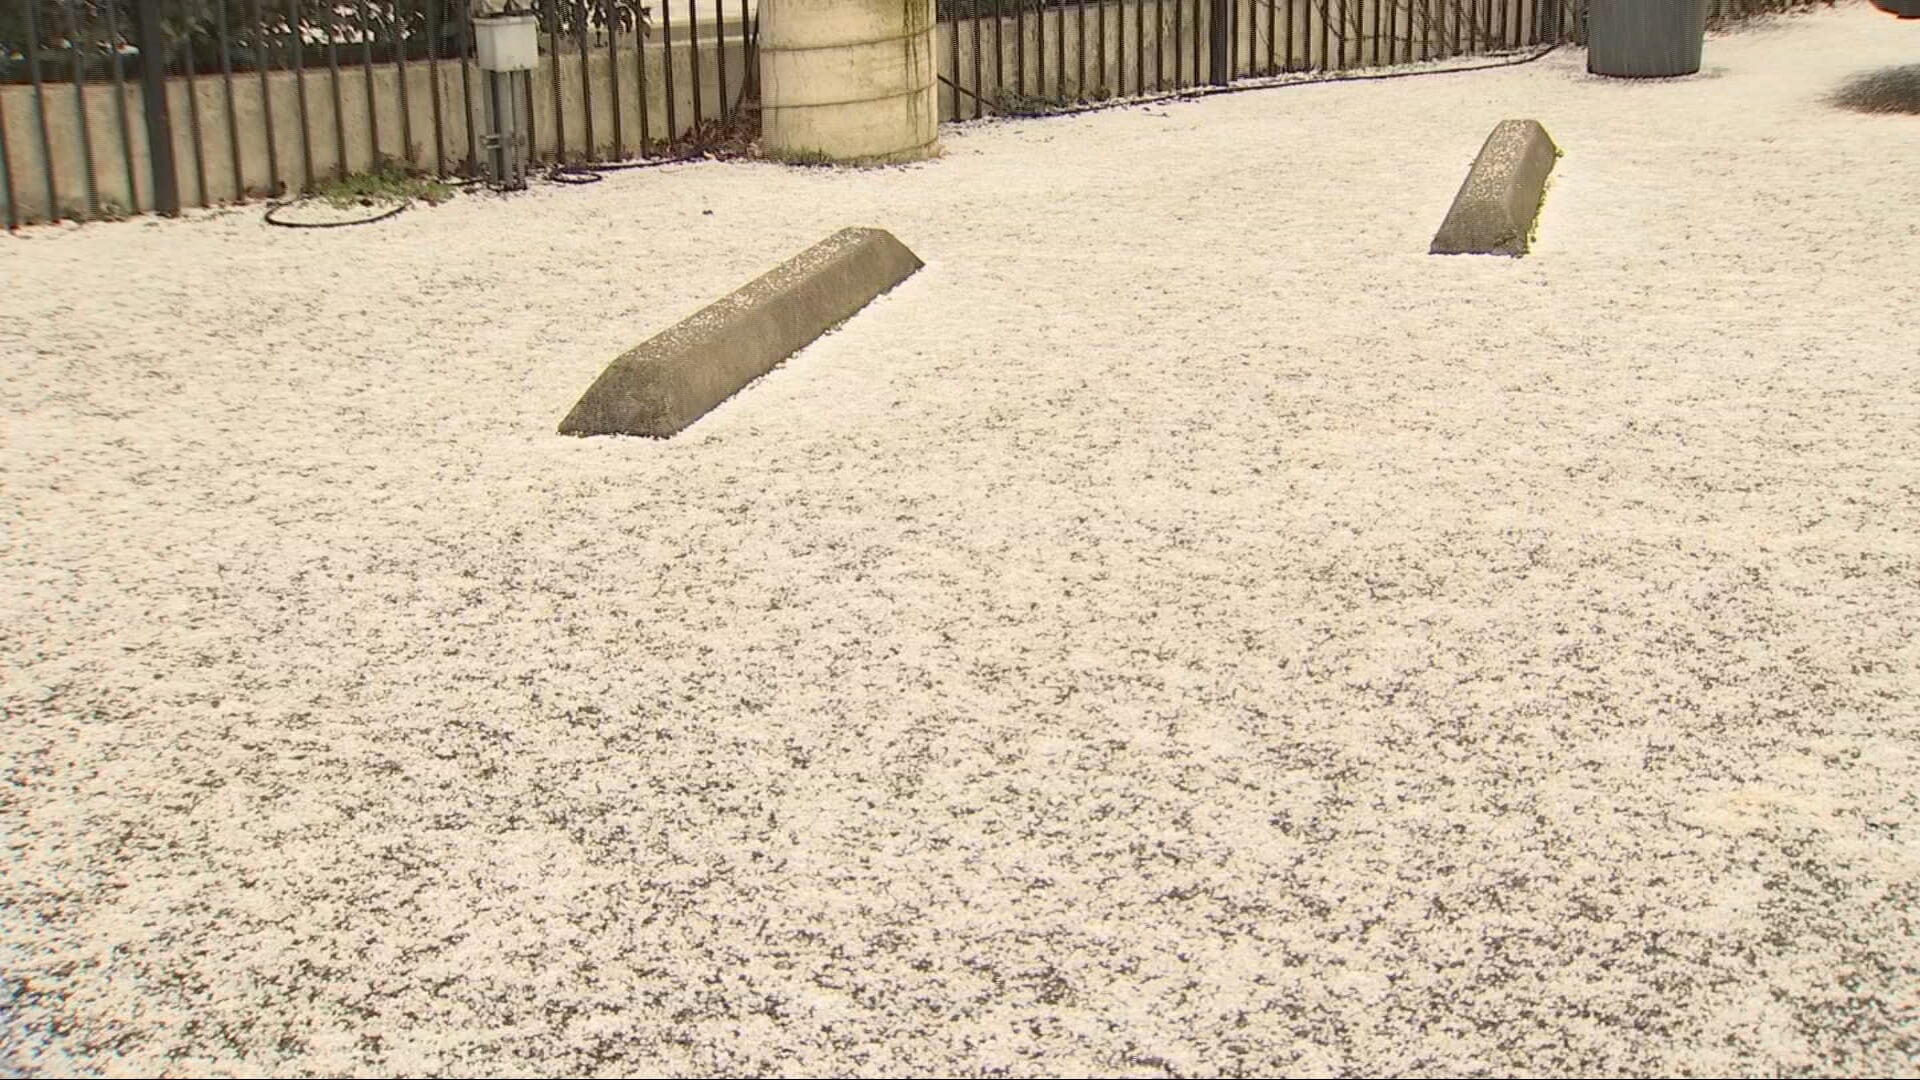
(1184, 629)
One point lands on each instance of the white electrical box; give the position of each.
(507, 42)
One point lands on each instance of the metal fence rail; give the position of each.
(261, 97)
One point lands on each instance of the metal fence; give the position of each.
(1016, 55)
(110, 107)
(999, 56)
(1028, 54)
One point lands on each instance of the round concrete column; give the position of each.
(848, 80)
(1645, 38)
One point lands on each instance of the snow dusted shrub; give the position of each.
(1887, 90)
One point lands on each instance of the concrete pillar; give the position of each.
(848, 80)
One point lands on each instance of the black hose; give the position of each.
(574, 174)
(1381, 76)
(273, 208)
(591, 174)
(559, 174)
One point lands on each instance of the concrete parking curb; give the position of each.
(680, 374)
(1494, 211)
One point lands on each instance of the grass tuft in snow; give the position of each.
(1013, 103)
(386, 182)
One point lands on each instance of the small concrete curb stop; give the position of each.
(1493, 212)
(680, 374)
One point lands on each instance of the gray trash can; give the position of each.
(1645, 39)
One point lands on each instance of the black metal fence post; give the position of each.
(296, 47)
(693, 58)
(153, 93)
(585, 44)
(120, 110)
(77, 62)
(720, 57)
(40, 115)
(6, 176)
(666, 48)
(467, 61)
(613, 73)
(953, 58)
(1219, 56)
